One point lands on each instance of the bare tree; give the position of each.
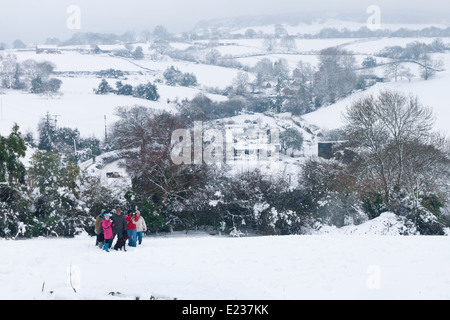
(392, 134)
(335, 77)
(288, 42)
(8, 69)
(393, 69)
(241, 83)
(270, 44)
(429, 66)
(291, 139)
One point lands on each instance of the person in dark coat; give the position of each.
(99, 230)
(119, 223)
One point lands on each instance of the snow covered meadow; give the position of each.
(204, 267)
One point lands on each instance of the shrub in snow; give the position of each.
(104, 88)
(235, 233)
(56, 195)
(387, 224)
(175, 77)
(329, 192)
(148, 92)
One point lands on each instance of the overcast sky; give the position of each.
(36, 20)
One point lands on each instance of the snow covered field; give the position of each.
(204, 267)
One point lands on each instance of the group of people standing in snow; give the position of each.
(109, 226)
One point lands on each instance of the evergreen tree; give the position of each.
(14, 202)
(148, 91)
(47, 135)
(12, 149)
(172, 76)
(138, 53)
(188, 80)
(104, 88)
(37, 85)
(124, 90)
(56, 188)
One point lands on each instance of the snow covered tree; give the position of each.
(281, 69)
(37, 85)
(9, 67)
(256, 203)
(47, 133)
(335, 77)
(264, 69)
(398, 156)
(50, 87)
(280, 31)
(172, 76)
(291, 139)
(213, 56)
(304, 73)
(14, 199)
(288, 43)
(145, 138)
(188, 80)
(57, 196)
(240, 83)
(124, 90)
(270, 44)
(394, 69)
(104, 88)
(19, 44)
(161, 33)
(429, 66)
(330, 196)
(148, 91)
(12, 149)
(161, 47)
(138, 53)
(369, 62)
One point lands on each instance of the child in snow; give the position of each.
(108, 231)
(141, 226)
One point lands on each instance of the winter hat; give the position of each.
(107, 215)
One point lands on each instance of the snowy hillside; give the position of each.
(76, 66)
(330, 117)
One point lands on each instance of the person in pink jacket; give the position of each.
(108, 231)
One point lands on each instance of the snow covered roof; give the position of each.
(47, 47)
(109, 48)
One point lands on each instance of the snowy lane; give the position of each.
(293, 267)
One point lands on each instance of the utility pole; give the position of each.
(48, 119)
(56, 116)
(75, 146)
(106, 131)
